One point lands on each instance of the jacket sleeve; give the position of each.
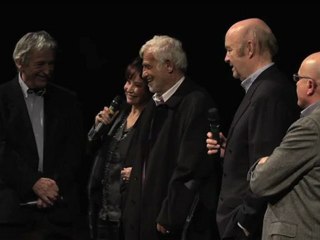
(289, 162)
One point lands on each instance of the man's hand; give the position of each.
(47, 190)
(263, 160)
(125, 173)
(213, 146)
(162, 229)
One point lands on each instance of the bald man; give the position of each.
(265, 113)
(290, 176)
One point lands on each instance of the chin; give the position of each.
(151, 89)
(41, 84)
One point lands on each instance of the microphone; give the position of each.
(214, 122)
(96, 132)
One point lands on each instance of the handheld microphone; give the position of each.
(214, 122)
(96, 132)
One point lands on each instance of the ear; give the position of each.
(251, 46)
(169, 66)
(311, 85)
(18, 64)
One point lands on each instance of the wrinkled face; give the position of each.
(235, 55)
(155, 73)
(39, 68)
(136, 90)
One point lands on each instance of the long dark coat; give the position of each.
(170, 156)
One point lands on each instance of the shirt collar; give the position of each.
(308, 110)
(164, 97)
(249, 80)
(26, 90)
(23, 86)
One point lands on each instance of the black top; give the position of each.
(114, 155)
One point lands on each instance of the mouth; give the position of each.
(43, 78)
(149, 81)
(130, 96)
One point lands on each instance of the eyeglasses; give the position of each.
(296, 77)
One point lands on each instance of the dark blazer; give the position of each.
(259, 124)
(19, 156)
(293, 189)
(171, 155)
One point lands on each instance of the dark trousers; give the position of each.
(107, 230)
(241, 236)
(39, 229)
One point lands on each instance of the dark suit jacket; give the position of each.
(171, 158)
(19, 156)
(259, 124)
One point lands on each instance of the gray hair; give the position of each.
(266, 41)
(32, 41)
(166, 48)
(264, 38)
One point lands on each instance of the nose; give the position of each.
(144, 73)
(226, 58)
(128, 87)
(48, 69)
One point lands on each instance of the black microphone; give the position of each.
(96, 132)
(214, 122)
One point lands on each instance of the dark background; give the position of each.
(97, 41)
